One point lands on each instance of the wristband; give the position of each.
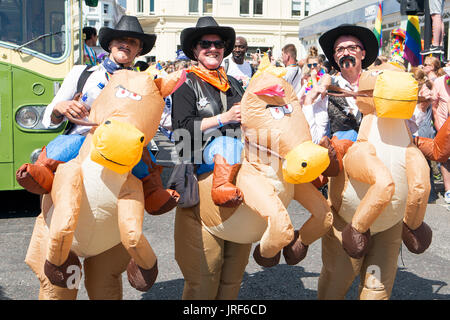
(220, 122)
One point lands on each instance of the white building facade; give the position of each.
(106, 14)
(326, 15)
(266, 24)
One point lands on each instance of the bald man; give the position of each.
(236, 66)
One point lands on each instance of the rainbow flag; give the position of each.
(413, 43)
(377, 29)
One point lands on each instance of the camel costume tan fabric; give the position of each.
(381, 195)
(96, 206)
(212, 244)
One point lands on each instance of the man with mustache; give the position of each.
(350, 49)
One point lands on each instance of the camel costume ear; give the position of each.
(169, 84)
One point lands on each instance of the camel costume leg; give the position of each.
(339, 269)
(53, 245)
(103, 273)
(314, 228)
(212, 267)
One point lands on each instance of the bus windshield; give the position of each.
(39, 25)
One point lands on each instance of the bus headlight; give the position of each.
(35, 155)
(27, 117)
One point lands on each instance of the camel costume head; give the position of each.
(96, 207)
(385, 178)
(279, 162)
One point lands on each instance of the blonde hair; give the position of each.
(313, 51)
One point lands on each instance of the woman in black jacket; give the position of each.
(207, 106)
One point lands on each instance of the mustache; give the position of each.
(345, 61)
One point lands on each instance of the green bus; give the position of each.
(40, 41)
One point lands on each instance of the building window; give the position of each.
(91, 23)
(92, 9)
(106, 23)
(152, 6)
(306, 8)
(105, 8)
(140, 6)
(245, 7)
(257, 7)
(251, 7)
(193, 6)
(207, 6)
(296, 8)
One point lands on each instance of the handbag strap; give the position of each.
(223, 98)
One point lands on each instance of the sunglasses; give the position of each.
(312, 65)
(206, 44)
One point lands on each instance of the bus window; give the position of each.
(38, 25)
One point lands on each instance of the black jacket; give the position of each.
(196, 100)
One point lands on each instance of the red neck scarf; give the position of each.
(217, 78)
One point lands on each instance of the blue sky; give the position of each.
(123, 3)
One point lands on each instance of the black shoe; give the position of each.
(433, 50)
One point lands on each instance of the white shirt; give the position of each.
(241, 72)
(317, 113)
(68, 90)
(294, 76)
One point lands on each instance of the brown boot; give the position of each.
(157, 199)
(337, 148)
(437, 149)
(38, 177)
(223, 192)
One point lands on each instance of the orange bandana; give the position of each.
(217, 78)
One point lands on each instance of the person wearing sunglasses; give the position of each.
(206, 108)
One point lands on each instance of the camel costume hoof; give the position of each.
(265, 262)
(295, 251)
(355, 243)
(139, 278)
(417, 241)
(59, 276)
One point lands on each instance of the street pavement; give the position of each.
(419, 277)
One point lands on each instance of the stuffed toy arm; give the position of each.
(362, 164)
(66, 195)
(321, 218)
(130, 218)
(416, 233)
(143, 268)
(266, 203)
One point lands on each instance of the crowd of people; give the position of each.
(209, 99)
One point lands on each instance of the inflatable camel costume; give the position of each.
(212, 244)
(96, 206)
(381, 195)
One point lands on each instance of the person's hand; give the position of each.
(425, 93)
(233, 115)
(319, 89)
(71, 108)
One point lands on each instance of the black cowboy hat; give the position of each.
(365, 35)
(128, 26)
(206, 25)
